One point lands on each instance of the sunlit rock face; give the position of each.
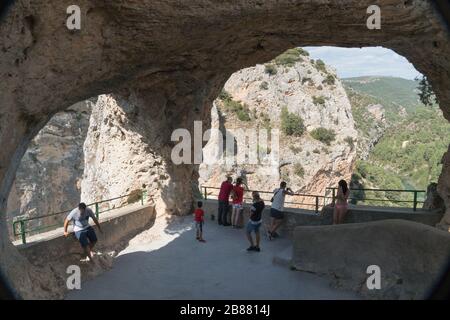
(443, 189)
(122, 156)
(305, 163)
(49, 177)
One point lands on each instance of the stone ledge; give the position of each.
(117, 225)
(357, 214)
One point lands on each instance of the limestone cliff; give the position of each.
(255, 98)
(370, 120)
(118, 158)
(49, 176)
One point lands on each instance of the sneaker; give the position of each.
(251, 248)
(201, 240)
(269, 234)
(257, 249)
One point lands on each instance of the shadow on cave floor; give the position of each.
(166, 262)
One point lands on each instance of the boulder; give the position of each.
(433, 200)
(411, 256)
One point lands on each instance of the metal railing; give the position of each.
(315, 204)
(321, 200)
(20, 225)
(363, 198)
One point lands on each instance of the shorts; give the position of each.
(237, 205)
(199, 226)
(86, 236)
(253, 227)
(276, 214)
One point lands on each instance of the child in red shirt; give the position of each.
(199, 220)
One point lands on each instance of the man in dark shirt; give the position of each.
(224, 195)
(255, 221)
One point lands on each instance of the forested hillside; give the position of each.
(411, 139)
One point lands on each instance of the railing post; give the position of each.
(97, 211)
(334, 195)
(205, 193)
(23, 232)
(317, 204)
(415, 201)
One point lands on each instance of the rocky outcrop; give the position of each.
(433, 200)
(368, 140)
(443, 189)
(411, 256)
(370, 120)
(308, 165)
(49, 176)
(121, 157)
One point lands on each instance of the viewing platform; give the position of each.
(166, 262)
(157, 257)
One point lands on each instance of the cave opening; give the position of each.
(296, 93)
(358, 118)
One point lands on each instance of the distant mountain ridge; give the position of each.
(395, 94)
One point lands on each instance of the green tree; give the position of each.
(270, 69)
(323, 135)
(291, 124)
(426, 93)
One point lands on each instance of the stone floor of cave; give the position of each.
(166, 262)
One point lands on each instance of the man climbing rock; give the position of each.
(83, 231)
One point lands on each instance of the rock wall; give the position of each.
(49, 176)
(443, 189)
(308, 165)
(372, 120)
(117, 161)
(118, 157)
(411, 256)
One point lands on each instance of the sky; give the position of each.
(368, 61)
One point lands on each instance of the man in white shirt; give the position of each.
(83, 231)
(276, 211)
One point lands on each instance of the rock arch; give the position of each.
(175, 57)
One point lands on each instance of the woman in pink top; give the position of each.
(341, 205)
